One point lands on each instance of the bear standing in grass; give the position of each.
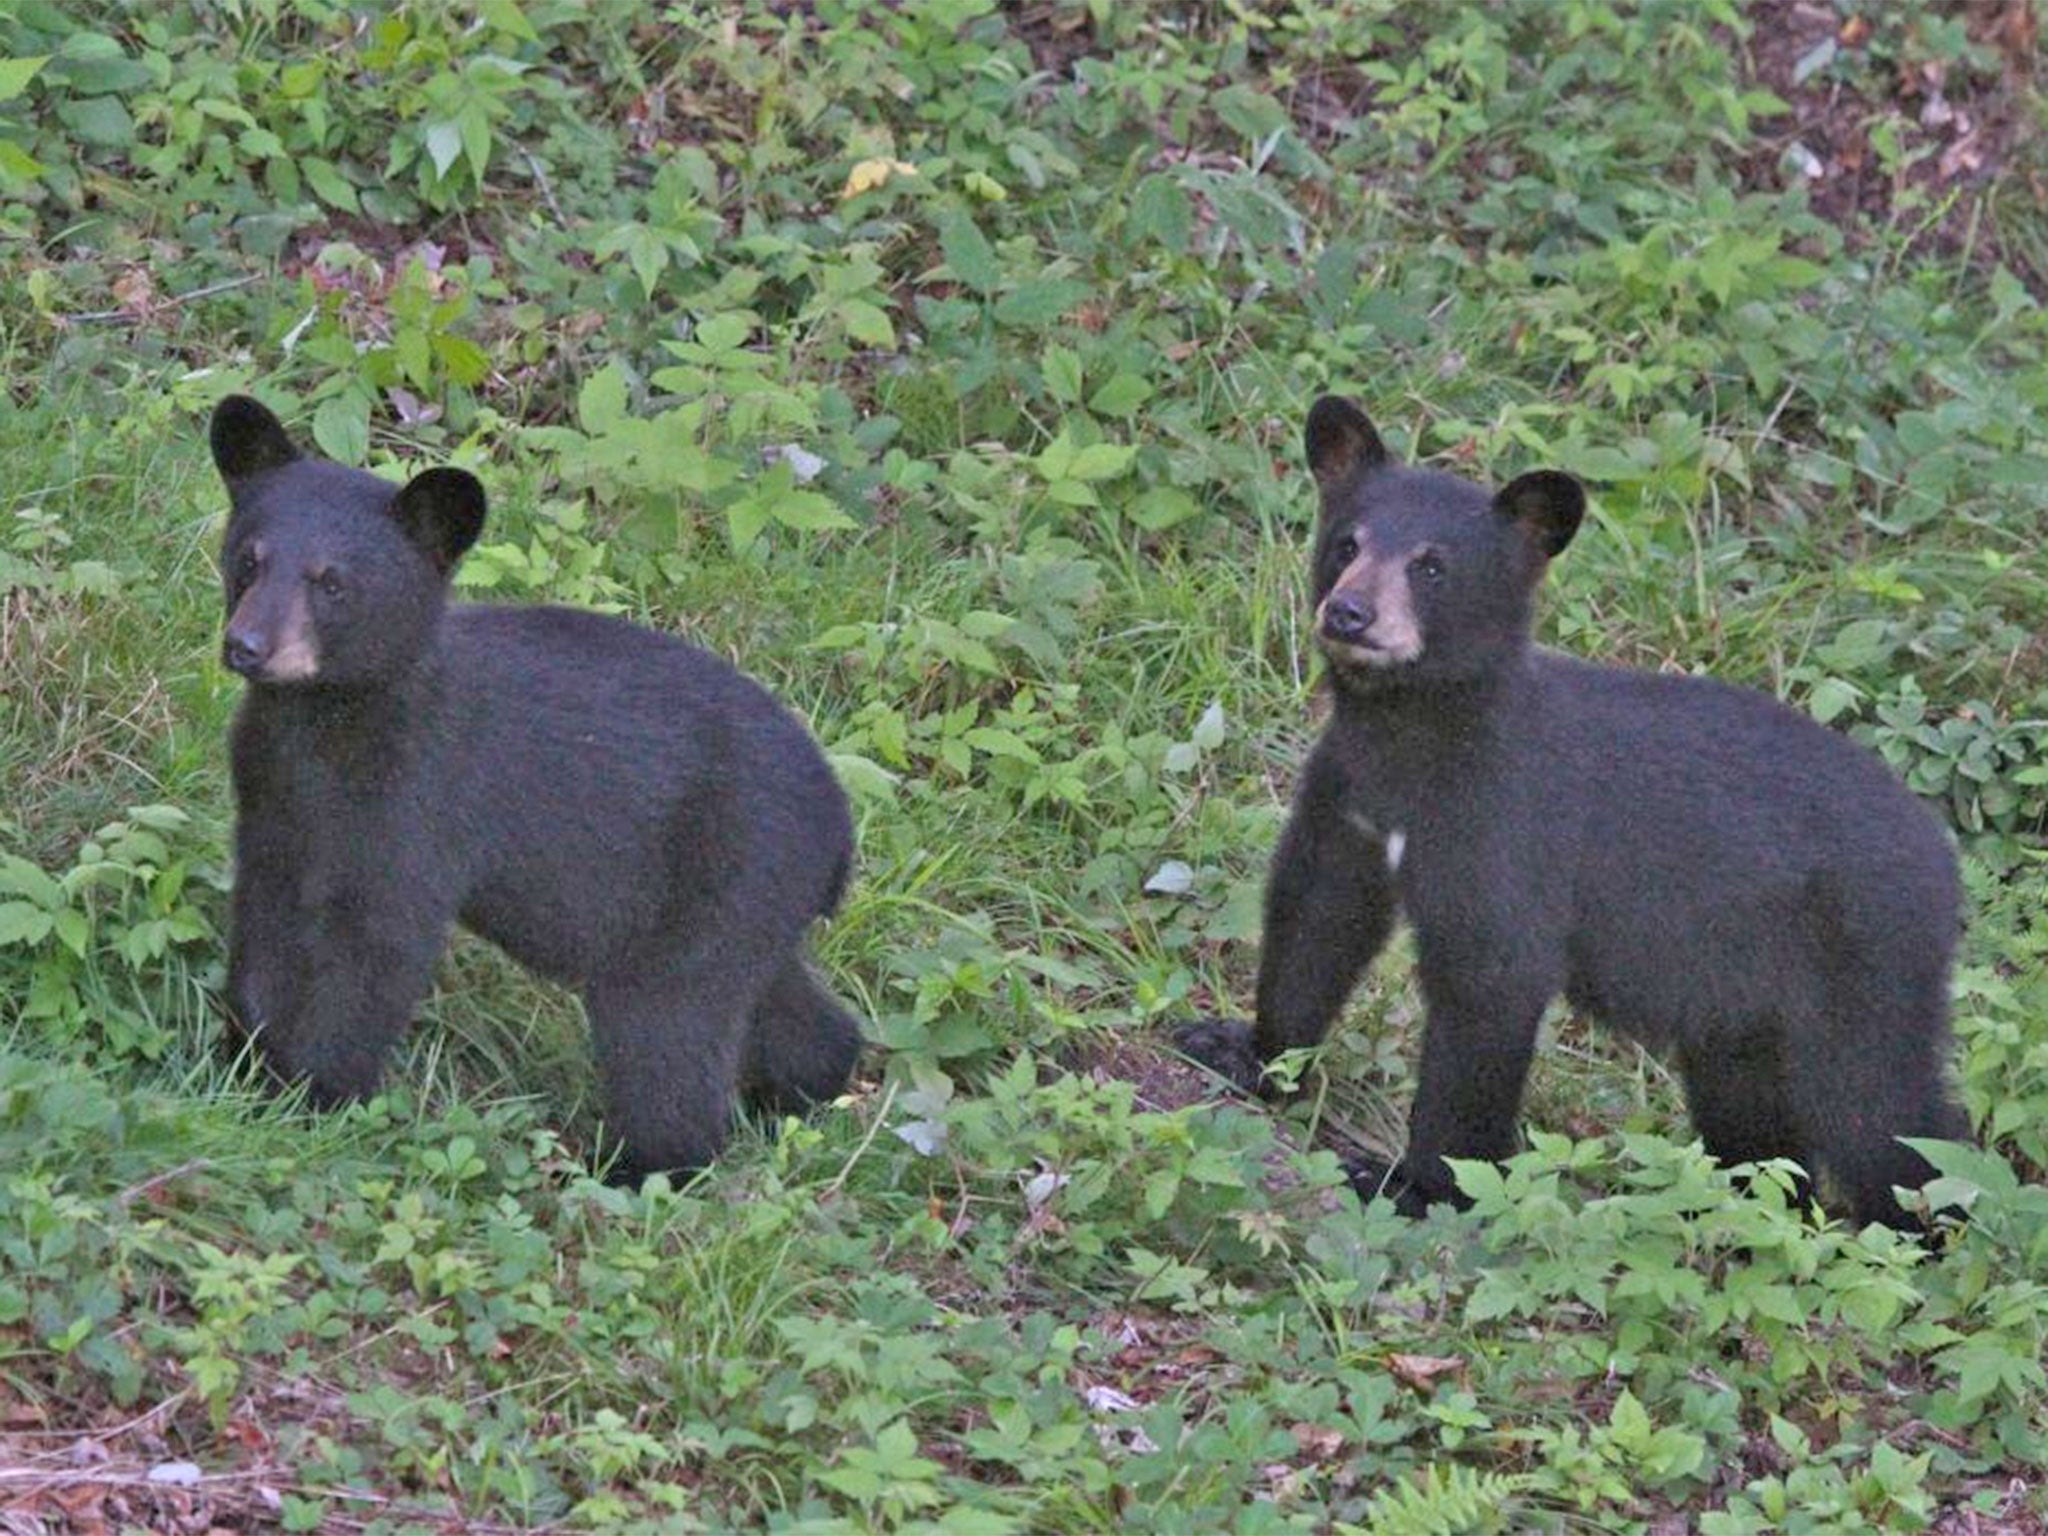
(619, 811)
(1694, 864)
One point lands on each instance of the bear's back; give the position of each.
(614, 779)
(1729, 772)
(1719, 841)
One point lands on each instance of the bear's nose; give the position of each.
(1346, 619)
(243, 652)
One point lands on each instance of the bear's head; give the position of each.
(334, 577)
(1420, 577)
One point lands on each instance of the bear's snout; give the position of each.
(271, 636)
(243, 652)
(1346, 619)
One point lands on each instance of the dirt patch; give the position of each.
(2000, 1506)
(131, 1473)
(1164, 1080)
(1905, 120)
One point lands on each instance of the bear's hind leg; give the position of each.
(1738, 1097)
(1870, 1065)
(1879, 1078)
(669, 1044)
(801, 1044)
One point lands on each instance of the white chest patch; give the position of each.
(1394, 842)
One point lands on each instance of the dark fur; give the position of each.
(1696, 865)
(620, 811)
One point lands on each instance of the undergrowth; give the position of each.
(944, 366)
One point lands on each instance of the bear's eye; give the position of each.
(245, 567)
(1428, 565)
(1346, 549)
(328, 583)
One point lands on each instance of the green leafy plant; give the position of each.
(942, 366)
(90, 937)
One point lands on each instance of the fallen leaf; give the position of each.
(1420, 1371)
(1317, 1440)
(870, 174)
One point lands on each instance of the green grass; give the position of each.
(1044, 603)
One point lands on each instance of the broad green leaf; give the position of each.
(1629, 1419)
(100, 121)
(986, 623)
(726, 332)
(808, 511)
(744, 520)
(444, 145)
(73, 930)
(94, 64)
(1857, 645)
(1001, 743)
(601, 402)
(506, 17)
(1595, 463)
(1040, 301)
(1161, 507)
(475, 125)
(30, 880)
(1251, 112)
(646, 251)
(302, 77)
(415, 356)
(18, 164)
(1055, 457)
(341, 427)
(968, 254)
(867, 323)
(1121, 396)
(1061, 368)
(1161, 211)
(1499, 1293)
(225, 111)
(15, 74)
(1160, 1188)
(462, 359)
(1101, 461)
(863, 777)
(1830, 697)
(328, 184)
(24, 923)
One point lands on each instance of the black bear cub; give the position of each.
(618, 810)
(1694, 864)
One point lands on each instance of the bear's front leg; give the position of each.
(268, 960)
(326, 990)
(1484, 1008)
(1330, 905)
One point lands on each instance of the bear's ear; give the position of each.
(247, 439)
(1547, 504)
(442, 512)
(1341, 443)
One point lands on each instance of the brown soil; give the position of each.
(1855, 75)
